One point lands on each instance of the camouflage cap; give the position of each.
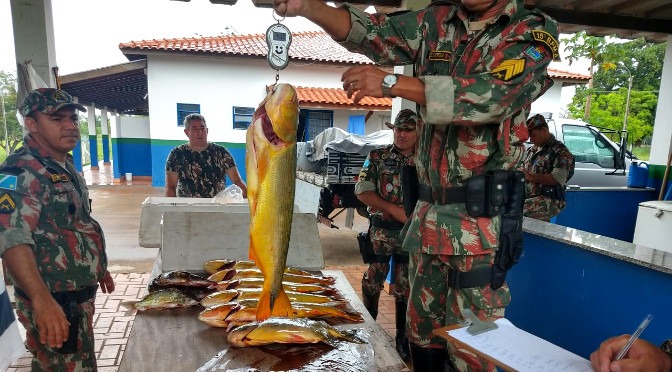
(406, 119)
(48, 101)
(536, 121)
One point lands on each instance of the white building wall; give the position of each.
(133, 127)
(550, 101)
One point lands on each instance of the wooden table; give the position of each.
(175, 340)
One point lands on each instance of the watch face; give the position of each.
(390, 80)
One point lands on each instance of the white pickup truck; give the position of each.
(599, 160)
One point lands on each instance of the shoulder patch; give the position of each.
(548, 40)
(535, 53)
(7, 204)
(8, 181)
(509, 69)
(439, 55)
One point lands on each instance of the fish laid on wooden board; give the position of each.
(185, 278)
(271, 170)
(289, 331)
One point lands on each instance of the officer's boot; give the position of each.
(401, 340)
(371, 303)
(430, 360)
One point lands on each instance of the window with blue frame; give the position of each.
(316, 122)
(184, 109)
(242, 117)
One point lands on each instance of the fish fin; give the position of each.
(282, 306)
(264, 305)
(130, 305)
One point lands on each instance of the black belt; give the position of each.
(441, 196)
(469, 279)
(384, 224)
(80, 296)
(400, 258)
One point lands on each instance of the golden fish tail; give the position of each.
(276, 306)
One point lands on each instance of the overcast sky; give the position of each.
(88, 32)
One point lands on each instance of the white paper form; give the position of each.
(521, 350)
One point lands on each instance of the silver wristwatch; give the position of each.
(388, 82)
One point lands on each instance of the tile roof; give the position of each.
(321, 97)
(314, 46)
(561, 74)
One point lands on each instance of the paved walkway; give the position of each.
(118, 209)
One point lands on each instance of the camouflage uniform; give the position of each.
(479, 86)
(200, 174)
(667, 347)
(46, 205)
(542, 160)
(381, 174)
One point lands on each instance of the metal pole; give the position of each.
(4, 120)
(627, 104)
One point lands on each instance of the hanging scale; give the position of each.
(278, 39)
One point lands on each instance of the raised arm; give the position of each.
(335, 21)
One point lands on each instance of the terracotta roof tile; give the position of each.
(336, 97)
(314, 46)
(560, 74)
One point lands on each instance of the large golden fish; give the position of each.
(271, 170)
(289, 331)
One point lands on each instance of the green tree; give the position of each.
(581, 45)
(14, 131)
(615, 61)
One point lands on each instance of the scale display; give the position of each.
(278, 39)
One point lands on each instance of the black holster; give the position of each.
(365, 245)
(409, 188)
(69, 302)
(511, 229)
(386, 224)
(69, 305)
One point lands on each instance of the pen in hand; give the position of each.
(634, 337)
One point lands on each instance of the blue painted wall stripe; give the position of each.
(93, 150)
(106, 148)
(77, 156)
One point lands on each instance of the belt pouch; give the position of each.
(69, 304)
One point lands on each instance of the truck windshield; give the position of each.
(588, 146)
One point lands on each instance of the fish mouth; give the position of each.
(269, 133)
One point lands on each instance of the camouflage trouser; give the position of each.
(376, 273)
(48, 359)
(434, 305)
(543, 208)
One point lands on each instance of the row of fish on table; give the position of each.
(230, 296)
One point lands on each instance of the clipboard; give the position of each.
(513, 349)
(443, 332)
